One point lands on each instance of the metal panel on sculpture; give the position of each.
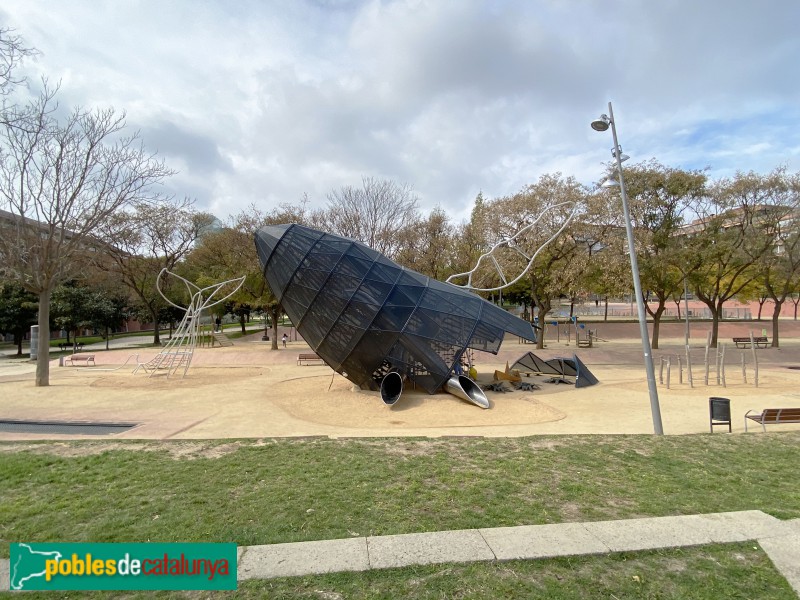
(367, 316)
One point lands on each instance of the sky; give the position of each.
(269, 101)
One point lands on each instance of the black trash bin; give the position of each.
(719, 412)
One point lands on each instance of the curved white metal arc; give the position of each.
(185, 281)
(215, 287)
(511, 243)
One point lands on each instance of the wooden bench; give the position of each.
(773, 416)
(309, 358)
(744, 342)
(75, 359)
(69, 346)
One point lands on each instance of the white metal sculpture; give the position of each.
(180, 348)
(511, 242)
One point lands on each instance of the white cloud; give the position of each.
(265, 101)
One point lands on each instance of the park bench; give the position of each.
(773, 416)
(308, 358)
(69, 346)
(744, 342)
(75, 359)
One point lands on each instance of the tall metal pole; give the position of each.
(637, 286)
(686, 307)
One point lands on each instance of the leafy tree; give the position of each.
(609, 271)
(428, 245)
(471, 238)
(552, 273)
(76, 306)
(780, 266)
(230, 253)
(18, 311)
(659, 196)
(734, 231)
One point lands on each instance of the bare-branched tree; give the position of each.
(61, 180)
(12, 51)
(372, 214)
(147, 239)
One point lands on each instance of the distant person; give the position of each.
(283, 339)
(218, 324)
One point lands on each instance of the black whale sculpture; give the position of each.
(368, 317)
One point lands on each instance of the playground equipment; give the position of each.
(717, 356)
(370, 319)
(558, 367)
(512, 243)
(180, 348)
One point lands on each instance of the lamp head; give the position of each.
(610, 183)
(617, 152)
(602, 123)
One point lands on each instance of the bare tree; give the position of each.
(12, 52)
(60, 181)
(147, 239)
(372, 214)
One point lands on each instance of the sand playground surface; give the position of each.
(250, 391)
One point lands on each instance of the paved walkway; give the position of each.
(779, 539)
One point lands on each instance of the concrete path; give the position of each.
(779, 539)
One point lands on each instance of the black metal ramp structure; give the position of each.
(558, 367)
(530, 363)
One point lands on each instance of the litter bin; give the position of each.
(719, 412)
(34, 352)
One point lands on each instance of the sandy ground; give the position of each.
(250, 391)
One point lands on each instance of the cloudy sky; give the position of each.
(264, 101)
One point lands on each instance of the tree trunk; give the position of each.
(18, 337)
(274, 312)
(605, 316)
(43, 358)
(242, 323)
(156, 331)
(760, 308)
(657, 324)
(776, 312)
(656, 314)
(544, 308)
(107, 337)
(715, 312)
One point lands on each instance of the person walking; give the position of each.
(283, 339)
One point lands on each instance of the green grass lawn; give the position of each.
(270, 491)
(709, 572)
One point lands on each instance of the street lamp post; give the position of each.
(602, 124)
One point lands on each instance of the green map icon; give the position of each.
(27, 564)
